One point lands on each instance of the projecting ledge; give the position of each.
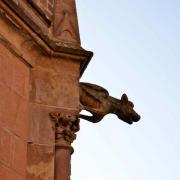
(37, 33)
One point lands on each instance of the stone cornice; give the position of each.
(22, 15)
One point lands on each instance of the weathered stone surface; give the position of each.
(14, 73)
(17, 41)
(14, 120)
(19, 160)
(40, 162)
(14, 112)
(59, 65)
(13, 150)
(22, 120)
(53, 81)
(14, 93)
(9, 174)
(5, 147)
(40, 129)
(5, 173)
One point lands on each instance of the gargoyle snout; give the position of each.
(136, 117)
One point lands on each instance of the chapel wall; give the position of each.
(14, 121)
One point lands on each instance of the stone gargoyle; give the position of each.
(97, 101)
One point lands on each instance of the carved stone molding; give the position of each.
(57, 37)
(65, 126)
(44, 8)
(65, 21)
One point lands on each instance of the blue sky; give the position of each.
(136, 45)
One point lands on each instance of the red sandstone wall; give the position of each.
(14, 89)
(28, 95)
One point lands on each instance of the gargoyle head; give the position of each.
(126, 112)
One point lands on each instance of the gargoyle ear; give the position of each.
(124, 98)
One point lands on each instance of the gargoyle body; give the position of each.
(98, 102)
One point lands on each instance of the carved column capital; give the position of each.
(65, 126)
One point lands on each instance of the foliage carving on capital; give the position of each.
(65, 126)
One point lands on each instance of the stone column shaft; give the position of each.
(65, 127)
(62, 163)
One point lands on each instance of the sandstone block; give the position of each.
(40, 162)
